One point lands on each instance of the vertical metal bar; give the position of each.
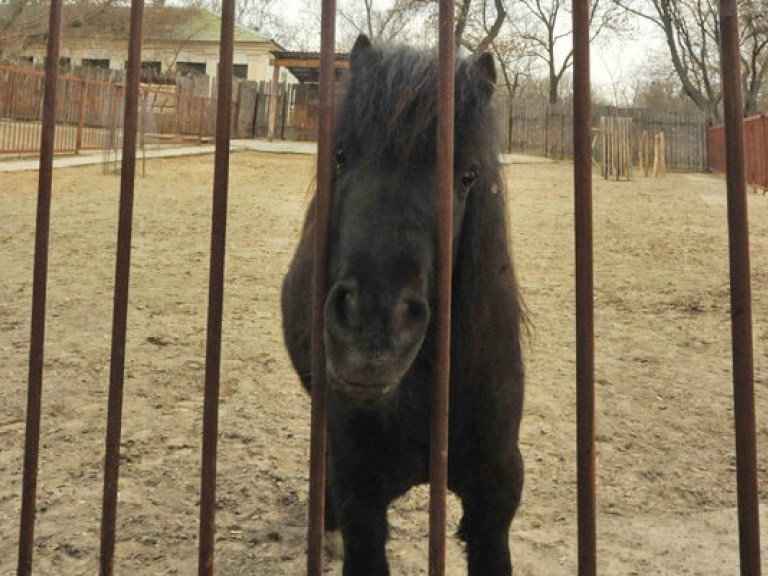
(438, 460)
(39, 291)
(122, 281)
(216, 292)
(319, 417)
(585, 331)
(741, 297)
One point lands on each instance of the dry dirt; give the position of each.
(666, 465)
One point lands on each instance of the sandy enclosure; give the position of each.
(666, 464)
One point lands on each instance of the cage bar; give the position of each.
(438, 458)
(741, 293)
(585, 328)
(39, 296)
(122, 282)
(319, 416)
(216, 292)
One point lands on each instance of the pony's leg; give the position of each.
(490, 494)
(364, 528)
(334, 543)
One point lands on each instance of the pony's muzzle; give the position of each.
(372, 337)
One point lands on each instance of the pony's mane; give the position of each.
(389, 108)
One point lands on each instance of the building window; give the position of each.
(96, 63)
(150, 71)
(241, 71)
(191, 68)
(27, 60)
(65, 62)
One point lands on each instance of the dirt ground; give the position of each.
(666, 466)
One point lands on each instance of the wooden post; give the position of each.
(273, 97)
(201, 118)
(81, 116)
(659, 156)
(644, 153)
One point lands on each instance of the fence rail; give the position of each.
(755, 146)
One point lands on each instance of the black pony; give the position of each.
(379, 336)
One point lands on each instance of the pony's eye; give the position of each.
(338, 156)
(468, 178)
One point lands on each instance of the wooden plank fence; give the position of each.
(538, 128)
(755, 148)
(181, 109)
(89, 110)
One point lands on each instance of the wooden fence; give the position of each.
(90, 110)
(755, 148)
(541, 129)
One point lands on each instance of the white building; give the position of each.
(181, 39)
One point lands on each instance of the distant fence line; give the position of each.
(90, 105)
(539, 128)
(755, 148)
(89, 112)
(181, 109)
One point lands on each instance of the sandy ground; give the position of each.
(666, 465)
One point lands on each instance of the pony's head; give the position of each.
(381, 273)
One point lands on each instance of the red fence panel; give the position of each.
(755, 147)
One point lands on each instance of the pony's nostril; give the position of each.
(411, 317)
(344, 305)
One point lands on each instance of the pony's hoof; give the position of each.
(334, 545)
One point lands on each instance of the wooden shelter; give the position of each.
(305, 67)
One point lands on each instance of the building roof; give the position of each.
(108, 21)
(202, 26)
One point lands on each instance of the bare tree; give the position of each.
(478, 22)
(692, 35)
(384, 24)
(546, 25)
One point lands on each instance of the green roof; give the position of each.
(202, 26)
(101, 21)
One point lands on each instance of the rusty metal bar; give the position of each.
(319, 417)
(438, 458)
(216, 292)
(741, 297)
(122, 282)
(39, 293)
(585, 329)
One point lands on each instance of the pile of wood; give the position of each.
(614, 150)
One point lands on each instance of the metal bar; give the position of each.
(39, 293)
(741, 297)
(122, 282)
(216, 292)
(438, 458)
(319, 417)
(585, 329)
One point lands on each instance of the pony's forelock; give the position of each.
(389, 108)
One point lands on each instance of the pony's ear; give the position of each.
(486, 73)
(361, 45)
